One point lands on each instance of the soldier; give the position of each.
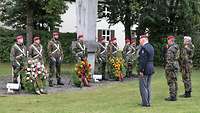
(171, 68)
(186, 56)
(55, 54)
(112, 50)
(125, 55)
(36, 53)
(80, 49)
(18, 56)
(101, 56)
(36, 50)
(132, 54)
(125, 49)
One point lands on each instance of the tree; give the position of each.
(32, 14)
(125, 11)
(164, 17)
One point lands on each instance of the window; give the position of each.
(106, 33)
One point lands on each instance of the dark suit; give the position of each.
(146, 57)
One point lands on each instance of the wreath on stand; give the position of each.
(83, 73)
(34, 75)
(117, 67)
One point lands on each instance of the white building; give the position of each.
(103, 28)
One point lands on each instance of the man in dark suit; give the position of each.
(146, 68)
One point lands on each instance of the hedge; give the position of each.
(7, 40)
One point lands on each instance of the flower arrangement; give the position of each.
(35, 75)
(83, 71)
(117, 67)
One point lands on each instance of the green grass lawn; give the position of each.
(116, 98)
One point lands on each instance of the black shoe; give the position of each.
(146, 105)
(50, 83)
(186, 95)
(59, 82)
(170, 98)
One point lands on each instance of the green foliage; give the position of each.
(45, 14)
(125, 11)
(75, 79)
(7, 40)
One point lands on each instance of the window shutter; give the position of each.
(99, 33)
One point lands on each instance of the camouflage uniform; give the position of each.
(55, 54)
(80, 51)
(171, 70)
(129, 57)
(101, 58)
(18, 58)
(187, 53)
(112, 50)
(36, 52)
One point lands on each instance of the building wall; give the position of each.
(69, 25)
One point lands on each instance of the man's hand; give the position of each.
(141, 75)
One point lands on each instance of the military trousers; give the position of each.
(55, 68)
(171, 76)
(186, 77)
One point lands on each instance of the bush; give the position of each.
(7, 39)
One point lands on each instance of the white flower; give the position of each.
(31, 80)
(33, 73)
(27, 78)
(28, 69)
(30, 62)
(28, 73)
(39, 72)
(32, 66)
(33, 69)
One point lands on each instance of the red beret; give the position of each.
(113, 38)
(55, 33)
(171, 37)
(36, 38)
(127, 39)
(79, 36)
(19, 37)
(101, 38)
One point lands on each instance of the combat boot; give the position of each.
(59, 82)
(186, 95)
(50, 83)
(171, 98)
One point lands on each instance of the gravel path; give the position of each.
(68, 86)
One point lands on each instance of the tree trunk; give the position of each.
(127, 30)
(29, 27)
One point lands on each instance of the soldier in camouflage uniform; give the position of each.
(125, 52)
(101, 56)
(36, 53)
(55, 54)
(132, 55)
(172, 67)
(125, 49)
(18, 57)
(112, 50)
(187, 52)
(36, 50)
(80, 49)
